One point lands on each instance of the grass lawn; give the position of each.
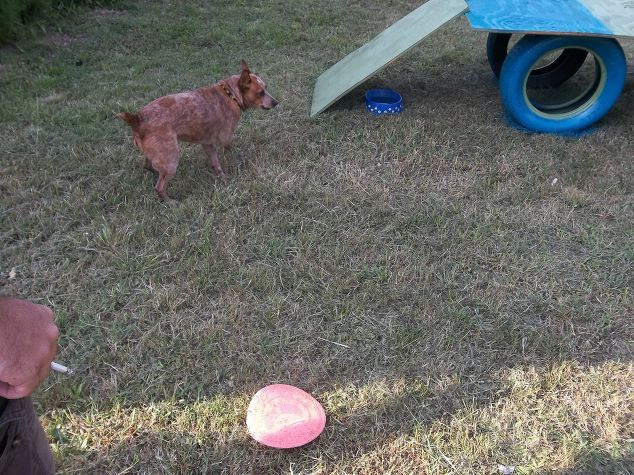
(423, 276)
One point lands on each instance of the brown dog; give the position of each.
(207, 116)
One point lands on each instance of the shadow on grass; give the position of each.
(599, 462)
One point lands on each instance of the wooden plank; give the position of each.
(543, 16)
(618, 15)
(383, 49)
(569, 17)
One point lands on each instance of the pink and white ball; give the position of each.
(284, 417)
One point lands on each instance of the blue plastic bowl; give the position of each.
(383, 101)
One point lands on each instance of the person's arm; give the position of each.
(28, 342)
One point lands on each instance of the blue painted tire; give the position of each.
(551, 75)
(573, 115)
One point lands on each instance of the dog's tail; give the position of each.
(131, 119)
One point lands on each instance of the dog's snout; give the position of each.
(269, 103)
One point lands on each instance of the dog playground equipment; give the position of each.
(569, 29)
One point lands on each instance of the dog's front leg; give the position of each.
(212, 155)
(148, 165)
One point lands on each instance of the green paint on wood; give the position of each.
(383, 49)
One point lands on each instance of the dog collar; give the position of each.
(231, 95)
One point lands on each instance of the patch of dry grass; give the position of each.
(425, 277)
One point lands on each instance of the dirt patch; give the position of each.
(8, 48)
(55, 97)
(105, 12)
(60, 40)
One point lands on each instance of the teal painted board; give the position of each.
(618, 15)
(574, 17)
(534, 15)
(383, 49)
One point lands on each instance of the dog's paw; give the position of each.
(220, 173)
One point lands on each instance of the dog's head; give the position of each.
(253, 90)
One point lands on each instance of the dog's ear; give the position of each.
(245, 77)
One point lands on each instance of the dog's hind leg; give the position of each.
(162, 157)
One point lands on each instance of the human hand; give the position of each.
(28, 342)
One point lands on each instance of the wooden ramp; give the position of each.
(382, 50)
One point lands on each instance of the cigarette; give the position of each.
(60, 368)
